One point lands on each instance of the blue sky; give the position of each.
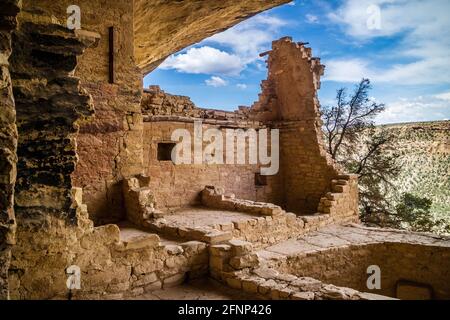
(401, 45)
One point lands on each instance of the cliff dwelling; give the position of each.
(88, 182)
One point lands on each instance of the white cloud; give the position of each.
(346, 70)
(245, 42)
(443, 96)
(427, 108)
(241, 86)
(433, 71)
(292, 3)
(204, 60)
(216, 82)
(422, 24)
(310, 18)
(251, 37)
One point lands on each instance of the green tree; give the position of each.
(414, 213)
(361, 148)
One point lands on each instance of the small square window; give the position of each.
(260, 180)
(165, 151)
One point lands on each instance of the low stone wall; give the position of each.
(215, 198)
(111, 268)
(125, 269)
(236, 265)
(347, 266)
(332, 263)
(343, 200)
(177, 186)
(271, 224)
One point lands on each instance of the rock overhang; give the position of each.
(162, 28)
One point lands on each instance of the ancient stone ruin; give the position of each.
(86, 180)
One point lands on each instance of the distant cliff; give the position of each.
(424, 149)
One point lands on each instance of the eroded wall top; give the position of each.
(290, 91)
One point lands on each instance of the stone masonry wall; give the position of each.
(332, 263)
(347, 266)
(156, 102)
(176, 186)
(289, 100)
(237, 265)
(112, 267)
(8, 143)
(109, 145)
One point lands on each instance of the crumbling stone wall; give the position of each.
(155, 102)
(176, 186)
(289, 101)
(8, 143)
(49, 104)
(333, 263)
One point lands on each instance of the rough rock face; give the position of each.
(164, 27)
(8, 142)
(49, 105)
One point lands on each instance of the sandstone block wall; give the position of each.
(342, 201)
(289, 101)
(111, 267)
(110, 144)
(347, 266)
(175, 186)
(242, 270)
(8, 143)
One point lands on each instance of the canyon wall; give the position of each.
(49, 103)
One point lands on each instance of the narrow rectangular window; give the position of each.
(111, 54)
(165, 151)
